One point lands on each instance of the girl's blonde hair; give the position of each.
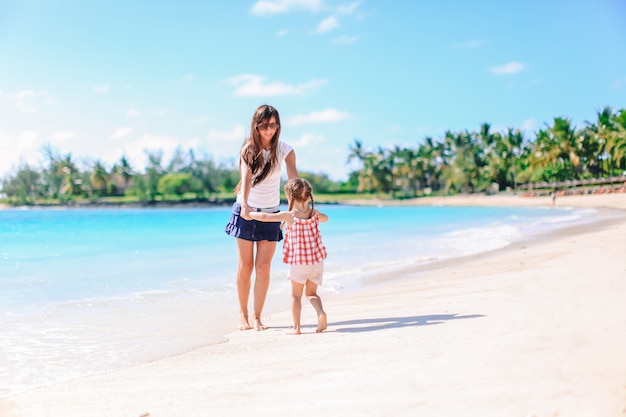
(299, 189)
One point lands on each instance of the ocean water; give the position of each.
(86, 291)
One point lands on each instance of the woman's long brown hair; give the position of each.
(252, 149)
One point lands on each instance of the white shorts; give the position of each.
(303, 273)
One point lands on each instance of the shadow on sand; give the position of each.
(370, 325)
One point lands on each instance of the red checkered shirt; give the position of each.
(303, 242)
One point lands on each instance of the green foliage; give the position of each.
(456, 162)
(176, 183)
(466, 162)
(25, 187)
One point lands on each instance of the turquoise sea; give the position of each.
(85, 291)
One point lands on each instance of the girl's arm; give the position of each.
(323, 217)
(283, 216)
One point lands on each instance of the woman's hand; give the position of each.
(289, 219)
(245, 211)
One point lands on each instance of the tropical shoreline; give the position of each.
(521, 331)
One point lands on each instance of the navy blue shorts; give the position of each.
(253, 230)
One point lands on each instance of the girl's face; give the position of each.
(267, 129)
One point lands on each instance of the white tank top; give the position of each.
(267, 192)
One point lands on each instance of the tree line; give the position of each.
(456, 162)
(186, 175)
(484, 160)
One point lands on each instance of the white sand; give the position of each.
(533, 330)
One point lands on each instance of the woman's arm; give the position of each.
(290, 163)
(246, 184)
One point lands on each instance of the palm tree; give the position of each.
(154, 172)
(597, 136)
(124, 170)
(557, 152)
(99, 178)
(488, 161)
(357, 152)
(405, 170)
(615, 146)
(429, 155)
(178, 163)
(72, 183)
(510, 149)
(460, 152)
(569, 144)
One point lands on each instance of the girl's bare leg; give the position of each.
(244, 272)
(296, 305)
(264, 254)
(316, 302)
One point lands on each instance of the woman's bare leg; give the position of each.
(296, 305)
(245, 249)
(316, 302)
(263, 262)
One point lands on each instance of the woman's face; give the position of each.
(267, 129)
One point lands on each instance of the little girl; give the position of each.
(303, 249)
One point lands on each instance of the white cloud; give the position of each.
(307, 139)
(101, 89)
(237, 134)
(345, 40)
(64, 135)
(27, 100)
(16, 149)
(324, 116)
(473, 43)
(428, 131)
(225, 145)
(507, 69)
(135, 150)
(394, 129)
(121, 132)
(322, 155)
(618, 85)
(282, 33)
(265, 7)
(529, 125)
(327, 25)
(348, 8)
(252, 85)
(132, 112)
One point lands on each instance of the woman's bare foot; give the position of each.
(296, 330)
(321, 323)
(258, 325)
(243, 323)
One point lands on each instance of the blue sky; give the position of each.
(102, 79)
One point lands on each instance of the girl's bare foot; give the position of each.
(258, 325)
(296, 330)
(321, 323)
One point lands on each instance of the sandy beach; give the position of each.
(536, 329)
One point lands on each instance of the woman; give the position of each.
(260, 162)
